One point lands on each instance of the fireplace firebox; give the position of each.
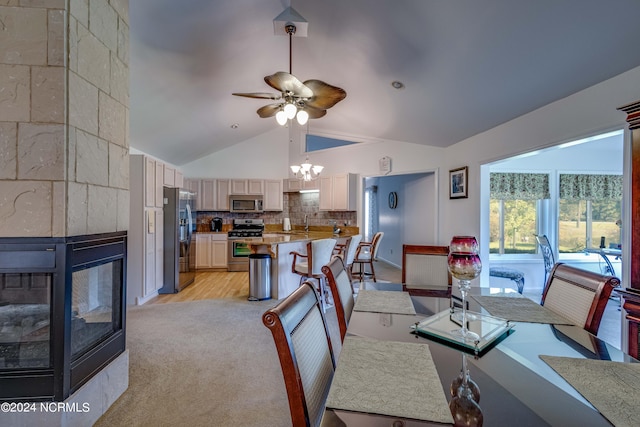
(62, 313)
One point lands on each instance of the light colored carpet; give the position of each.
(203, 363)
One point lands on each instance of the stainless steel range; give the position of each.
(243, 231)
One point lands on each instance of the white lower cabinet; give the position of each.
(211, 250)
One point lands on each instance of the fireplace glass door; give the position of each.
(25, 318)
(94, 308)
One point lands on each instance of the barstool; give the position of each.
(309, 265)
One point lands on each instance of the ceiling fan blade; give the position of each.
(324, 95)
(314, 113)
(269, 110)
(285, 82)
(259, 95)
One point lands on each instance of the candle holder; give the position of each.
(464, 264)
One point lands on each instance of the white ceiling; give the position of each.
(468, 65)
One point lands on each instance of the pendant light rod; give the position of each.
(291, 30)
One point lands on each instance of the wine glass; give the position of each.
(464, 266)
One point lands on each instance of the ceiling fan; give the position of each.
(302, 100)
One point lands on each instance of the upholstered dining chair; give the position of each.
(578, 295)
(309, 265)
(300, 333)
(342, 290)
(366, 254)
(425, 271)
(547, 254)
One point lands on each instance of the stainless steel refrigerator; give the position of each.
(179, 240)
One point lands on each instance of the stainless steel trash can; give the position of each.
(259, 277)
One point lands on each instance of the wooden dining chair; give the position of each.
(309, 265)
(579, 295)
(300, 333)
(342, 290)
(366, 254)
(425, 271)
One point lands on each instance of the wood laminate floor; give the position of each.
(231, 284)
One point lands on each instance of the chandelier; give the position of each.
(306, 171)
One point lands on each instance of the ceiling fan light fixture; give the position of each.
(290, 110)
(302, 117)
(281, 117)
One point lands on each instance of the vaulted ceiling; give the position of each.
(467, 65)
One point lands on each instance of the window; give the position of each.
(514, 211)
(315, 143)
(590, 208)
(513, 226)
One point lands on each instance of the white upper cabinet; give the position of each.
(179, 180)
(273, 200)
(293, 185)
(338, 192)
(223, 187)
(247, 186)
(159, 185)
(169, 176)
(207, 195)
(149, 182)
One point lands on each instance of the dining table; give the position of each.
(518, 382)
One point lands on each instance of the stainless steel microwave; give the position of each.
(245, 203)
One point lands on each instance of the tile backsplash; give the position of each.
(296, 206)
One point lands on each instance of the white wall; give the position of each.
(412, 221)
(265, 156)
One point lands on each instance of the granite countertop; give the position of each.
(277, 237)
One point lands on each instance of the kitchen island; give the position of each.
(280, 245)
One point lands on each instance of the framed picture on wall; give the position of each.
(458, 183)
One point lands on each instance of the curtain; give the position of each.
(590, 187)
(372, 226)
(519, 186)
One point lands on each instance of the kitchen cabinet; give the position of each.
(223, 187)
(169, 179)
(179, 179)
(338, 192)
(203, 251)
(207, 195)
(273, 200)
(159, 251)
(193, 185)
(145, 242)
(154, 253)
(293, 185)
(149, 185)
(219, 250)
(211, 250)
(159, 197)
(247, 186)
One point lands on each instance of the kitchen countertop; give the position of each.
(278, 237)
